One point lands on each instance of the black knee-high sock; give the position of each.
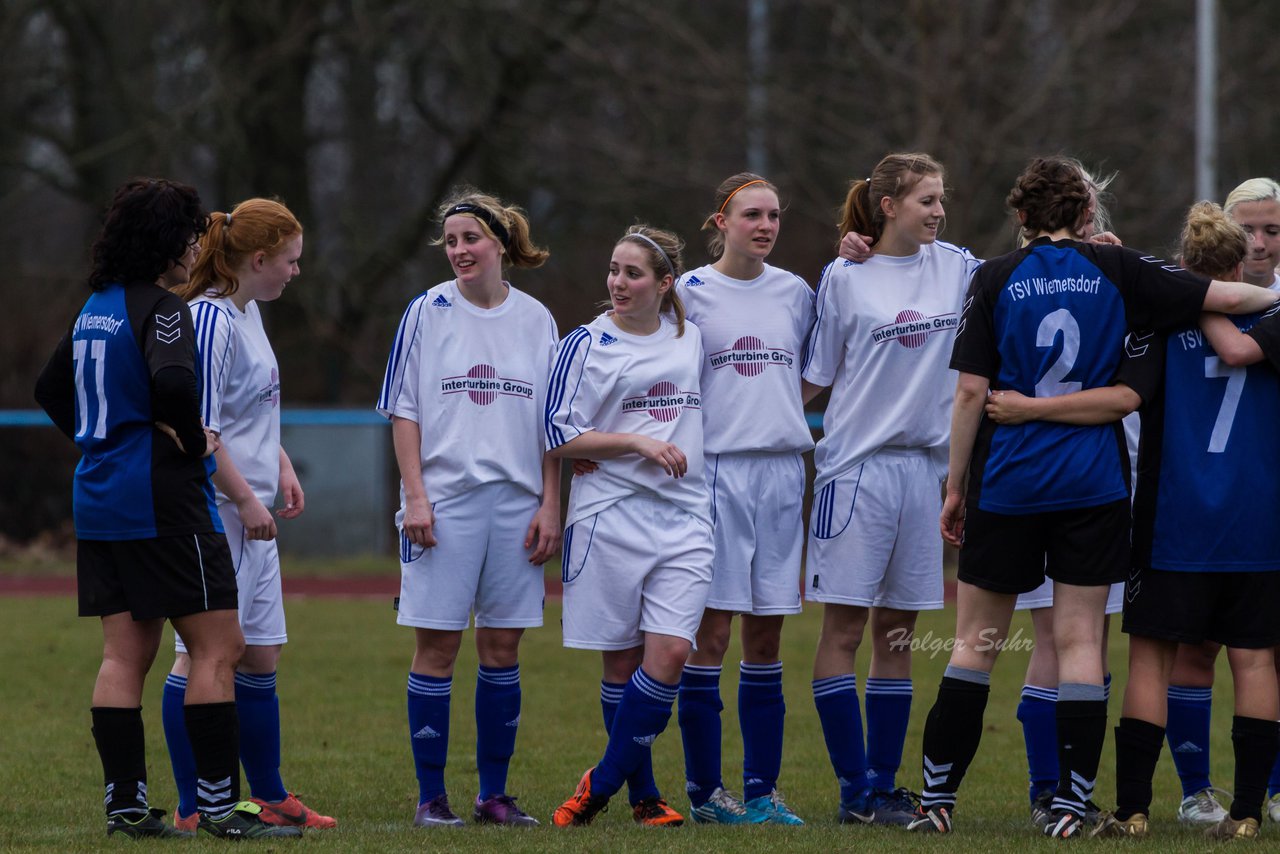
(951, 735)
(214, 731)
(123, 750)
(1138, 745)
(1255, 743)
(1082, 726)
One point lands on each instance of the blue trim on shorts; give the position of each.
(566, 550)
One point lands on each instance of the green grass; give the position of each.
(342, 688)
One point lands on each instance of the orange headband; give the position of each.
(735, 192)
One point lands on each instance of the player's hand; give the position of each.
(419, 523)
(212, 443)
(1107, 238)
(952, 519)
(256, 518)
(581, 467)
(291, 489)
(665, 454)
(855, 247)
(544, 534)
(1008, 407)
(172, 434)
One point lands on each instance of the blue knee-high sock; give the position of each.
(1187, 730)
(699, 717)
(175, 738)
(640, 783)
(429, 732)
(259, 711)
(1039, 718)
(642, 715)
(1273, 785)
(888, 713)
(761, 711)
(837, 700)
(497, 720)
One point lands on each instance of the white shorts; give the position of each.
(758, 524)
(1042, 597)
(479, 563)
(640, 565)
(257, 564)
(873, 535)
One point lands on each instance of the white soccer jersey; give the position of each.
(753, 338)
(609, 380)
(882, 341)
(241, 395)
(475, 381)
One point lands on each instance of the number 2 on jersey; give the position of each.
(1051, 384)
(98, 353)
(1214, 369)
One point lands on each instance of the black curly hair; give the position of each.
(147, 228)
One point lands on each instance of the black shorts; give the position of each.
(160, 577)
(1232, 608)
(1087, 546)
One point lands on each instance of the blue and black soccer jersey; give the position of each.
(1050, 319)
(132, 481)
(1206, 500)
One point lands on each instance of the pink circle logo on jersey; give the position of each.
(748, 343)
(671, 411)
(911, 339)
(483, 396)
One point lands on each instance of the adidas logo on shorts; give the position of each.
(441, 302)
(606, 339)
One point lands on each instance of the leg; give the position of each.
(700, 707)
(1190, 706)
(176, 740)
(1254, 729)
(429, 693)
(1078, 617)
(889, 694)
(1037, 709)
(128, 649)
(619, 667)
(761, 707)
(498, 697)
(1141, 730)
(259, 711)
(835, 694)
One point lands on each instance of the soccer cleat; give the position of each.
(857, 811)
(244, 821)
(1064, 825)
(1041, 811)
(1273, 807)
(1230, 828)
(931, 820)
(436, 813)
(897, 808)
(1204, 807)
(582, 808)
(149, 825)
(1110, 827)
(191, 822)
(655, 812)
(774, 809)
(724, 807)
(292, 812)
(502, 810)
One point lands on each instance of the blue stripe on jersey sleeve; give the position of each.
(559, 381)
(205, 317)
(394, 376)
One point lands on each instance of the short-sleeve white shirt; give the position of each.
(753, 338)
(475, 382)
(609, 380)
(241, 390)
(882, 341)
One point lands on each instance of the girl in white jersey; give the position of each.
(248, 256)
(638, 548)
(881, 342)
(754, 321)
(480, 501)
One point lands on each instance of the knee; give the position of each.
(498, 647)
(842, 637)
(713, 639)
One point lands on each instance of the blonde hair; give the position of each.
(662, 250)
(254, 225)
(1212, 243)
(518, 248)
(1253, 190)
(894, 177)
(728, 188)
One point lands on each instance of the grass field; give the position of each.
(342, 688)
